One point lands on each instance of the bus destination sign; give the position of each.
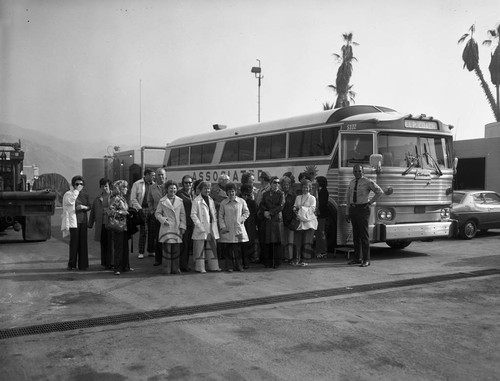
(421, 124)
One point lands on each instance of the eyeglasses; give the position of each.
(188, 182)
(78, 183)
(276, 182)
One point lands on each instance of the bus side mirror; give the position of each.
(455, 165)
(376, 162)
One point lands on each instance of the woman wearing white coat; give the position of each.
(172, 217)
(74, 224)
(233, 212)
(205, 230)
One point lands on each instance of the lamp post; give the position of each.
(258, 74)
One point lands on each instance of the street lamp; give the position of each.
(258, 74)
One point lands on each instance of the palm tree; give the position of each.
(470, 57)
(344, 72)
(495, 60)
(350, 97)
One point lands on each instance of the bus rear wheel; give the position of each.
(398, 243)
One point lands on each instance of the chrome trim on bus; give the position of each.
(382, 232)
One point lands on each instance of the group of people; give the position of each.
(193, 225)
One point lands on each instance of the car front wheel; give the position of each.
(468, 230)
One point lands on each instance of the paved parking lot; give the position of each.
(426, 312)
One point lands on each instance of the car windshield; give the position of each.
(457, 197)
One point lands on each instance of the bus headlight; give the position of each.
(385, 214)
(445, 213)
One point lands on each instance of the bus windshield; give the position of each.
(403, 150)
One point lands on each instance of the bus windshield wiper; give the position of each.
(434, 164)
(412, 161)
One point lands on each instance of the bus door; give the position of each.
(355, 147)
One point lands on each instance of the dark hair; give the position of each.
(186, 177)
(273, 178)
(230, 186)
(103, 182)
(246, 189)
(75, 179)
(304, 175)
(265, 175)
(245, 178)
(290, 176)
(322, 182)
(196, 183)
(147, 171)
(169, 183)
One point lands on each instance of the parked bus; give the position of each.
(410, 157)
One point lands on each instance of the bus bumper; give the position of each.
(418, 231)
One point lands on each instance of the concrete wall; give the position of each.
(489, 148)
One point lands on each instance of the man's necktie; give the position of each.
(355, 193)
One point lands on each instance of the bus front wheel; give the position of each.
(398, 243)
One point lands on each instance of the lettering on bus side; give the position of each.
(213, 176)
(351, 126)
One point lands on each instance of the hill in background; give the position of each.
(54, 155)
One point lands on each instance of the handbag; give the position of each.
(117, 223)
(294, 223)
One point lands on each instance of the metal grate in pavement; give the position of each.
(223, 306)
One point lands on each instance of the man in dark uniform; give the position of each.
(358, 213)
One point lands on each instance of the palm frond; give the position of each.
(463, 38)
(492, 33)
(327, 106)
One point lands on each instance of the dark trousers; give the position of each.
(272, 254)
(121, 254)
(261, 224)
(247, 250)
(232, 254)
(158, 245)
(359, 219)
(78, 249)
(186, 248)
(106, 247)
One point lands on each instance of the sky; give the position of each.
(157, 70)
